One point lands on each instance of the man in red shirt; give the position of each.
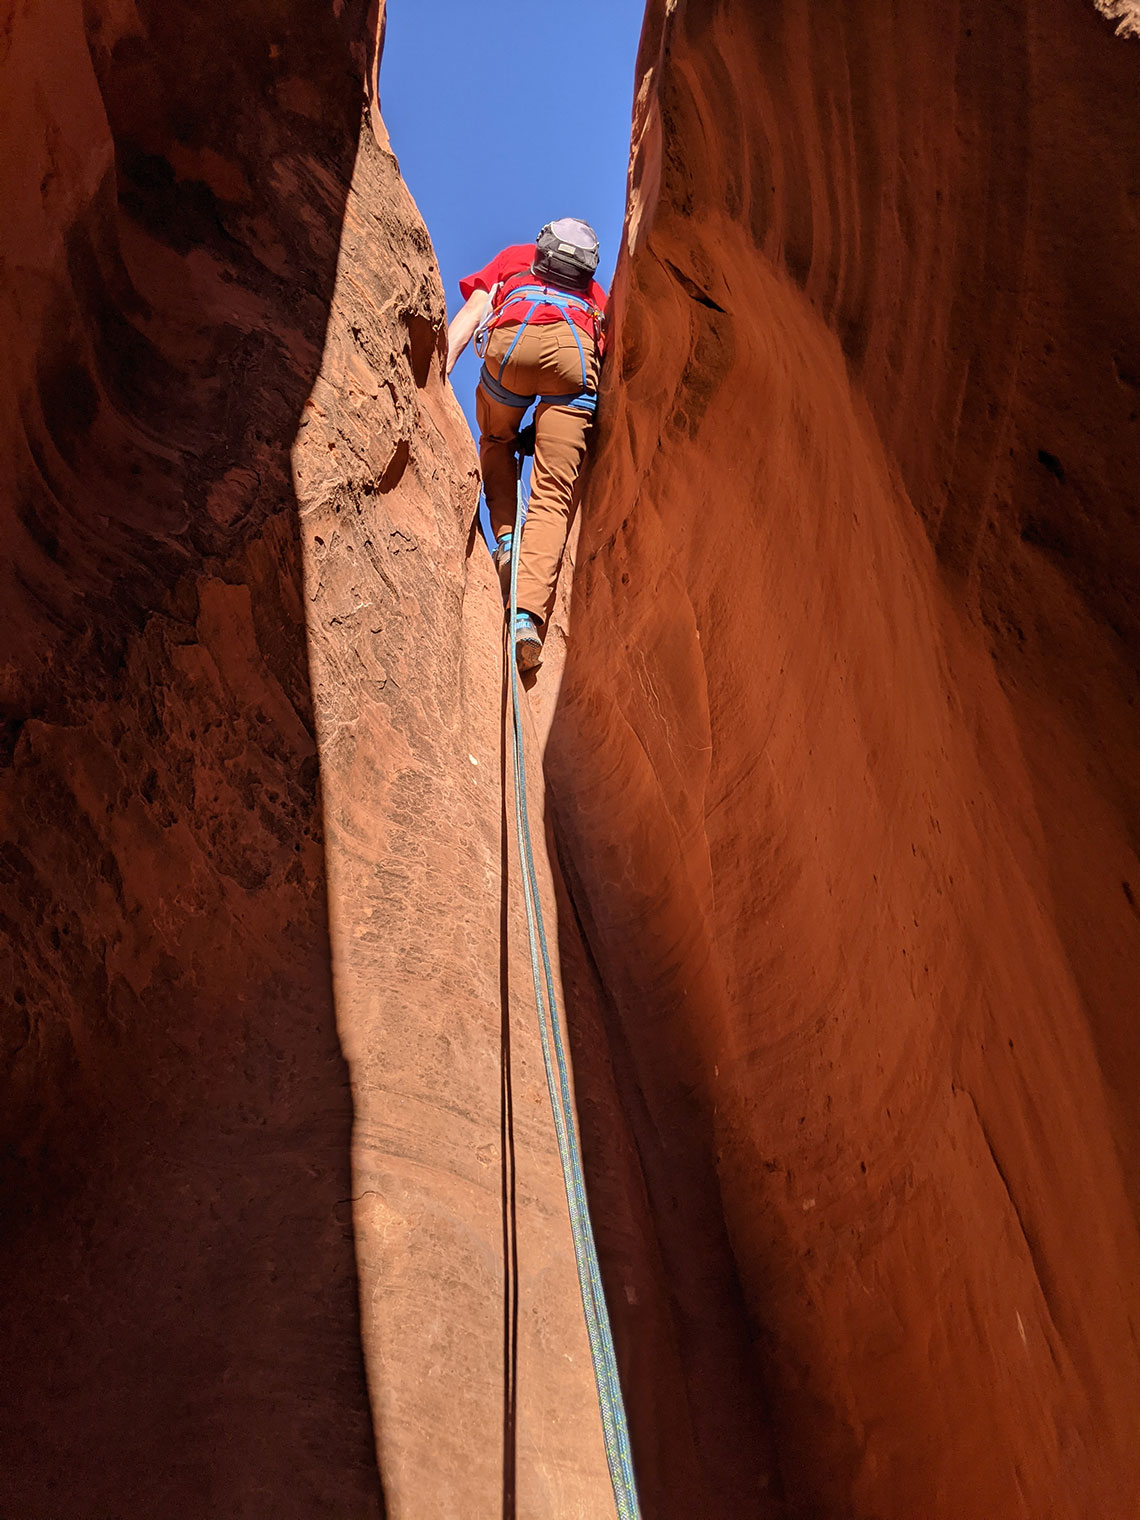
(540, 316)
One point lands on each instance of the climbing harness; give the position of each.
(538, 295)
(583, 401)
(615, 1428)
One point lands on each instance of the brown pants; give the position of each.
(545, 363)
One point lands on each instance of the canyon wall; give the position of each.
(247, 678)
(845, 758)
(842, 771)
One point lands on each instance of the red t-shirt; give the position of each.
(510, 270)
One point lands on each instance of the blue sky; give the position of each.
(504, 115)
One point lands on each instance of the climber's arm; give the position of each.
(464, 324)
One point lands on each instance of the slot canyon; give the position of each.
(836, 752)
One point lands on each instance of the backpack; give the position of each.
(566, 254)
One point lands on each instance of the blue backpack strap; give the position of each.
(581, 353)
(543, 295)
(540, 295)
(514, 342)
(552, 297)
(562, 301)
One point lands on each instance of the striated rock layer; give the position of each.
(846, 757)
(244, 677)
(844, 764)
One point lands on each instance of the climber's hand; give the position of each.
(524, 443)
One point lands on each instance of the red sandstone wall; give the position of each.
(844, 761)
(179, 1276)
(846, 752)
(244, 677)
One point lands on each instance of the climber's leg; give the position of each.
(498, 430)
(545, 361)
(560, 447)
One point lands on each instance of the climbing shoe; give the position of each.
(501, 559)
(528, 642)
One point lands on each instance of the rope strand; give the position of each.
(615, 1427)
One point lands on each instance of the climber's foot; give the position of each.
(528, 642)
(501, 559)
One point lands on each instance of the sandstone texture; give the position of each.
(1126, 14)
(251, 820)
(845, 759)
(841, 795)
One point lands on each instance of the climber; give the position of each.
(537, 315)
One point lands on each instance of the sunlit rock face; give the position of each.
(845, 763)
(246, 678)
(843, 767)
(1126, 14)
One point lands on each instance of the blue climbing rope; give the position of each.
(615, 1428)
